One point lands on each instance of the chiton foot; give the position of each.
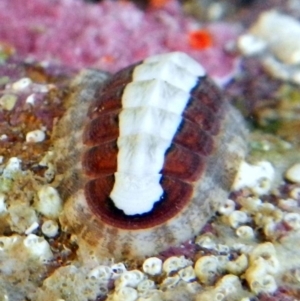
(147, 155)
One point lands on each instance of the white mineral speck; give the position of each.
(3, 137)
(258, 177)
(293, 173)
(32, 227)
(2, 203)
(21, 84)
(31, 99)
(35, 136)
(38, 247)
(49, 202)
(50, 228)
(250, 45)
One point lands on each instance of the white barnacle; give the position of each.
(146, 285)
(50, 228)
(267, 252)
(245, 232)
(288, 204)
(227, 208)
(292, 219)
(38, 247)
(125, 294)
(250, 204)
(12, 167)
(174, 263)
(237, 217)
(100, 272)
(35, 136)
(187, 274)
(206, 241)
(152, 266)
(21, 84)
(258, 278)
(206, 268)
(6, 243)
(170, 282)
(295, 193)
(118, 269)
(130, 278)
(237, 266)
(267, 213)
(228, 285)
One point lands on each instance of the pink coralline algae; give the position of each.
(109, 35)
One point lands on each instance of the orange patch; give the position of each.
(200, 39)
(158, 3)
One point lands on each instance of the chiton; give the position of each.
(147, 155)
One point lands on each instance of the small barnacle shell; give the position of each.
(258, 278)
(210, 295)
(101, 272)
(125, 294)
(118, 269)
(50, 228)
(38, 247)
(150, 295)
(227, 208)
(133, 183)
(206, 241)
(170, 282)
(130, 278)
(293, 173)
(267, 252)
(206, 268)
(237, 217)
(35, 136)
(228, 285)
(288, 204)
(295, 193)
(13, 165)
(245, 232)
(187, 274)
(152, 266)
(292, 219)
(21, 84)
(49, 202)
(146, 285)
(175, 263)
(250, 204)
(267, 213)
(8, 242)
(237, 266)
